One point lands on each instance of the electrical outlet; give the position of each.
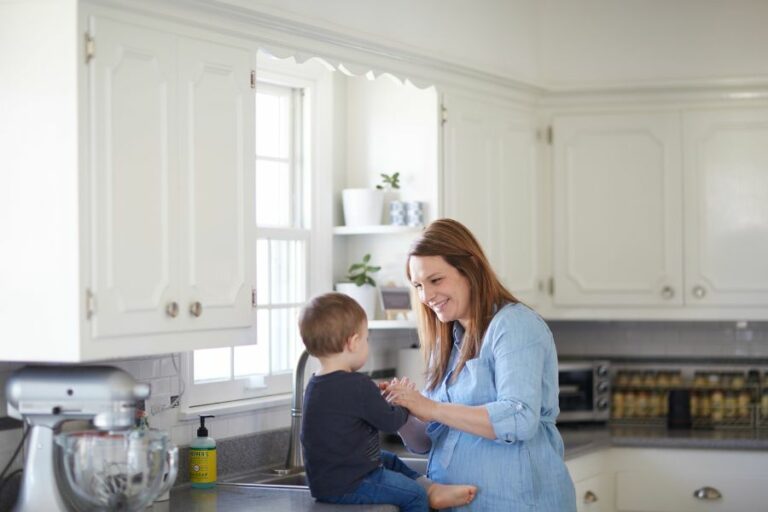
(174, 401)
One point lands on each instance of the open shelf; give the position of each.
(380, 229)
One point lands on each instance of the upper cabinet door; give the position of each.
(617, 210)
(491, 185)
(216, 166)
(726, 210)
(133, 178)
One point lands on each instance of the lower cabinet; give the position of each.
(675, 480)
(690, 480)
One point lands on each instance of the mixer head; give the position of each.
(48, 395)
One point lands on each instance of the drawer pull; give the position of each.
(707, 493)
(590, 497)
(172, 309)
(196, 309)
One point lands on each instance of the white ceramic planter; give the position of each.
(362, 206)
(364, 295)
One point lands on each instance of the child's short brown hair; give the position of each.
(327, 321)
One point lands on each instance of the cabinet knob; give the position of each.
(667, 292)
(699, 291)
(590, 497)
(196, 309)
(172, 309)
(707, 493)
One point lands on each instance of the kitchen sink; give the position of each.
(297, 481)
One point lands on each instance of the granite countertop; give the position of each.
(578, 440)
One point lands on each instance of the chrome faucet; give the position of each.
(294, 463)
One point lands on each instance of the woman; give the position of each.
(487, 416)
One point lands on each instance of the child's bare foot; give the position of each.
(446, 496)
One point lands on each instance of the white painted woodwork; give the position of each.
(726, 208)
(134, 178)
(216, 168)
(591, 474)
(149, 203)
(664, 480)
(617, 210)
(491, 185)
(656, 480)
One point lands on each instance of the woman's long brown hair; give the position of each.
(452, 241)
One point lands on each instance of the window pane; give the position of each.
(273, 193)
(285, 341)
(299, 272)
(280, 271)
(212, 364)
(273, 118)
(251, 360)
(262, 272)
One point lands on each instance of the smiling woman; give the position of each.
(489, 407)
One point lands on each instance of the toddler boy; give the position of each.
(343, 414)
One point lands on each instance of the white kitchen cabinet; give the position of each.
(161, 260)
(661, 215)
(726, 207)
(617, 211)
(172, 182)
(593, 481)
(654, 480)
(491, 184)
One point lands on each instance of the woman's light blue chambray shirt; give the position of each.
(515, 378)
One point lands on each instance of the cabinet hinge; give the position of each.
(90, 48)
(551, 286)
(253, 297)
(253, 79)
(443, 114)
(90, 304)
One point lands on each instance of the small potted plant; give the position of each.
(364, 206)
(361, 286)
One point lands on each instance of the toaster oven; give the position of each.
(585, 390)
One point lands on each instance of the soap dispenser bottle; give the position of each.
(202, 458)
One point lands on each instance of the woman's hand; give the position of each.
(404, 381)
(405, 394)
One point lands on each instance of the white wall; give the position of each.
(596, 43)
(495, 36)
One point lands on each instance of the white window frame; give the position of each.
(315, 191)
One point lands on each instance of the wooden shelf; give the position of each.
(392, 324)
(381, 229)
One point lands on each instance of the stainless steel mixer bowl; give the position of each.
(120, 471)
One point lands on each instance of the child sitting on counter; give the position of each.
(343, 414)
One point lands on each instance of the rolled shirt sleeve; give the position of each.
(518, 372)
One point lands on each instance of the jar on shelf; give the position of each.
(764, 405)
(622, 379)
(718, 405)
(743, 403)
(617, 405)
(662, 380)
(713, 380)
(695, 404)
(630, 404)
(636, 379)
(649, 379)
(730, 405)
(738, 381)
(699, 380)
(705, 405)
(641, 405)
(675, 379)
(654, 404)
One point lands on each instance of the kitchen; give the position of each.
(625, 282)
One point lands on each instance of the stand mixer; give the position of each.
(46, 396)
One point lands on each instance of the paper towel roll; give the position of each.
(410, 364)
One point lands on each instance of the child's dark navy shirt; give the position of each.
(343, 414)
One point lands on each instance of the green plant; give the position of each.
(389, 181)
(358, 272)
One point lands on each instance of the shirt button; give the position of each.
(518, 407)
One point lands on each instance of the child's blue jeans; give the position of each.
(394, 483)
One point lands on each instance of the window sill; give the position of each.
(236, 407)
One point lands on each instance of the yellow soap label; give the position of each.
(202, 465)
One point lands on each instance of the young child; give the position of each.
(343, 413)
